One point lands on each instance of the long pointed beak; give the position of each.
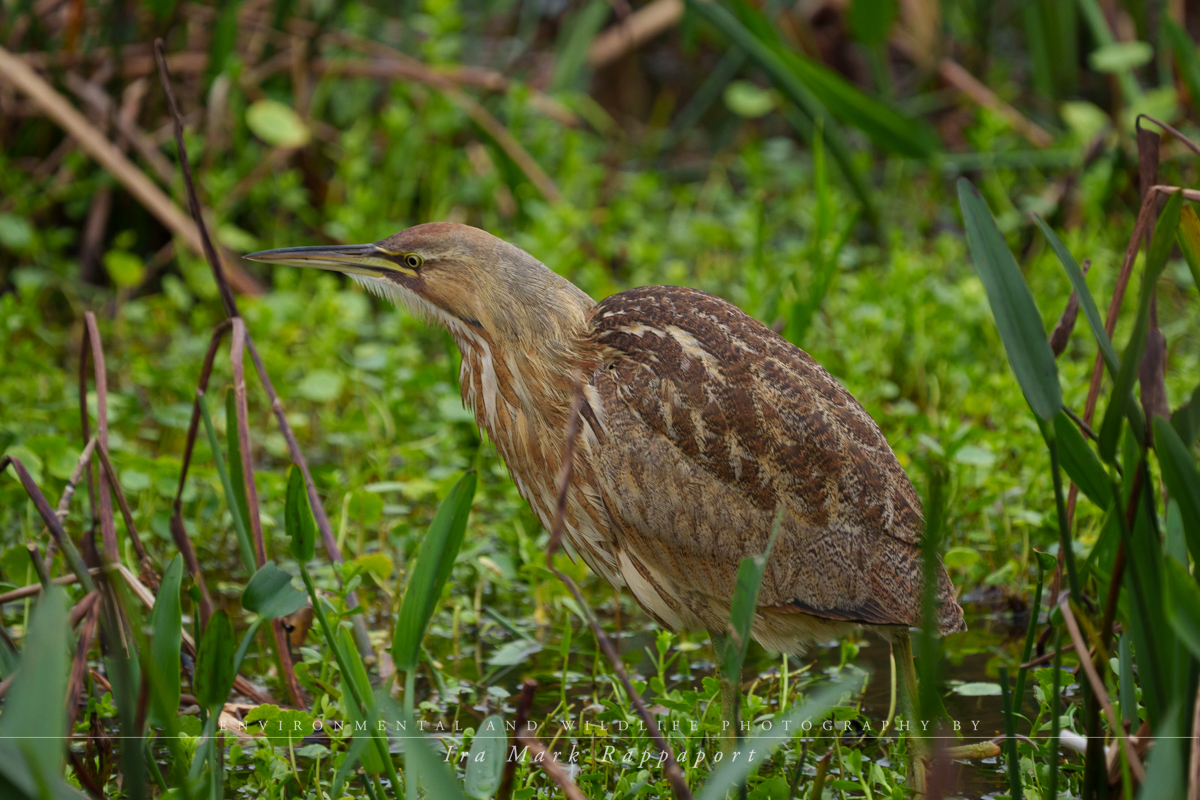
(355, 259)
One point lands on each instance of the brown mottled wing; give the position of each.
(712, 422)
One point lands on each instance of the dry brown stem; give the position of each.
(634, 30)
(36, 588)
(92, 346)
(957, 76)
(94, 143)
(362, 638)
(146, 597)
(1101, 691)
(51, 519)
(550, 765)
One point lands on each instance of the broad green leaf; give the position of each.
(239, 522)
(1174, 540)
(237, 477)
(214, 674)
(282, 727)
(1156, 260)
(1183, 481)
(1081, 463)
(16, 233)
(276, 124)
(124, 268)
(378, 564)
(1181, 600)
(744, 605)
(734, 771)
(321, 386)
(485, 762)
(34, 715)
(298, 519)
(748, 100)
(1016, 313)
(18, 782)
(1120, 56)
(270, 593)
(166, 637)
(371, 760)
(427, 768)
(1079, 284)
(513, 653)
(961, 557)
(435, 560)
(1167, 763)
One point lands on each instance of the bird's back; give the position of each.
(709, 423)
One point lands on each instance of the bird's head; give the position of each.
(464, 278)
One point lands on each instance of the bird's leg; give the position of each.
(917, 749)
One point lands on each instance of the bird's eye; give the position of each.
(413, 260)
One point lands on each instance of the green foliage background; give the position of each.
(735, 209)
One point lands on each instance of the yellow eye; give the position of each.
(413, 260)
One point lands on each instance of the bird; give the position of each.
(699, 427)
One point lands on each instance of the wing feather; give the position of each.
(714, 422)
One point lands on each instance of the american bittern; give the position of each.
(698, 425)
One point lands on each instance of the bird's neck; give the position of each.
(520, 387)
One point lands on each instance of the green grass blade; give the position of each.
(485, 764)
(794, 89)
(239, 526)
(434, 563)
(357, 746)
(1079, 283)
(371, 760)
(224, 37)
(1166, 766)
(214, 674)
(244, 647)
(1186, 419)
(1186, 57)
(577, 36)
(745, 602)
(237, 476)
(1081, 463)
(1183, 481)
(1181, 599)
(166, 637)
(298, 519)
(1122, 392)
(33, 709)
(425, 767)
(270, 593)
(1016, 313)
(1011, 759)
(732, 773)
(887, 127)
